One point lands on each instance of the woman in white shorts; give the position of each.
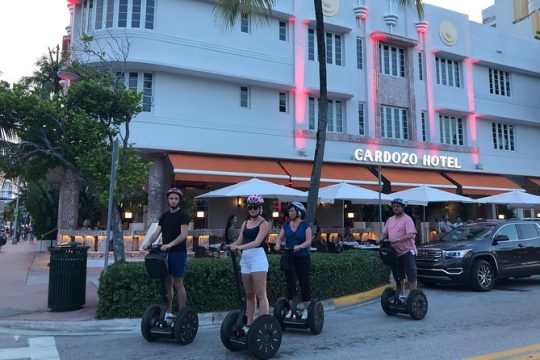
(253, 264)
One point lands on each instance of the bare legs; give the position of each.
(178, 285)
(255, 286)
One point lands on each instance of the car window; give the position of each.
(528, 231)
(508, 230)
(468, 232)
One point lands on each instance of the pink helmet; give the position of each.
(175, 191)
(255, 200)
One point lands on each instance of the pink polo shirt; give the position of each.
(398, 226)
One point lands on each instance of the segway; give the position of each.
(264, 336)
(415, 304)
(153, 324)
(315, 320)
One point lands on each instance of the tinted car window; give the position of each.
(508, 230)
(468, 232)
(528, 231)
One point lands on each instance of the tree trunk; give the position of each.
(322, 118)
(118, 235)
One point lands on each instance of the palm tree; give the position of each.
(230, 10)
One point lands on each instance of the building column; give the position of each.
(159, 181)
(68, 202)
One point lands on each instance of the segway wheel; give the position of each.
(264, 337)
(386, 297)
(280, 310)
(186, 326)
(149, 320)
(227, 331)
(316, 317)
(417, 304)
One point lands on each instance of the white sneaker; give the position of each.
(305, 314)
(289, 314)
(169, 318)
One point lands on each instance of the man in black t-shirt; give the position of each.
(173, 227)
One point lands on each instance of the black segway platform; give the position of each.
(153, 325)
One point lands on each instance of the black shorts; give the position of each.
(405, 266)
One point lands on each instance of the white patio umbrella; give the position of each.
(514, 198)
(422, 195)
(264, 188)
(356, 194)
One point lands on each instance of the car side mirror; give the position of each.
(500, 238)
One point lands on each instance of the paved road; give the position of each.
(460, 324)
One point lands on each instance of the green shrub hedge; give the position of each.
(125, 290)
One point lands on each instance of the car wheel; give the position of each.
(483, 277)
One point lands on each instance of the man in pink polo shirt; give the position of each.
(401, 232)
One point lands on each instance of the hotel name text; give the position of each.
(406, 158)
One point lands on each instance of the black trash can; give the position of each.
(67, 277)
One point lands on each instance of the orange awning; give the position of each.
(331, 173)
(482, 184)
(535, 180)
(225, 169)
(403, 179)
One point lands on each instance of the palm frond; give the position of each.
(228, 11)
(410, 3)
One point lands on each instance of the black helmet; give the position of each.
(175, 191)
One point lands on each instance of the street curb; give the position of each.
(122, 326)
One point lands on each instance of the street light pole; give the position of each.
(15, 218)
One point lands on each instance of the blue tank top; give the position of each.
(251, 234)
(296, 237)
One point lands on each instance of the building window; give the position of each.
(420, 66)
(394, 123)
(136, 14)
(499, 82)
(451, 130)
(503, 136)
(99, 14)
(123, 13)
(361, 119)
(283, 30)
(244, 23)
(244, 96)
(448, 72)
(84, 17)
(110, 14)
(359, 53)
(283, 102)
(334, 47)
(335, 114)
(423, 120)
(311, 44)
(147, 92)
(140, 82)
(391, 60)
(150, 8)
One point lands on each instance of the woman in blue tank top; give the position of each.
(297, 234)
(253, 264)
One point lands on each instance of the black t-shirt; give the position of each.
(171, 223)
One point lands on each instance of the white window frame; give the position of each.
(126, 19)
(336, 114)
(424, 126)
(335, 53)
(452, 130)
(394, 122)
(421, 65)
(101, 17)
(362, 129)
(135, 81)
(148, 98)
(283, 30)
(245, 23)
(283, 101)
(149, 23)
(391, 60)
(499, 82)
(503, 136)
(245, 97)
(448, 72)
(359, 53)
(132, 19)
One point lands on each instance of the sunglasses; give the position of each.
(253, 207)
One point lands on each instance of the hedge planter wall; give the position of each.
(125, 290)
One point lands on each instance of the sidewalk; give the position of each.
(24, 276)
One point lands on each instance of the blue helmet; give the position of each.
(399, 201)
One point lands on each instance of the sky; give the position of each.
(29, 27)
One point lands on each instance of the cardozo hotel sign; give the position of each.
(406, 158)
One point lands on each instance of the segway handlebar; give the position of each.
(154, 248)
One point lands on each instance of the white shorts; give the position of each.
(253, 260)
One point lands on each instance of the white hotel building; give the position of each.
(445, 101)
